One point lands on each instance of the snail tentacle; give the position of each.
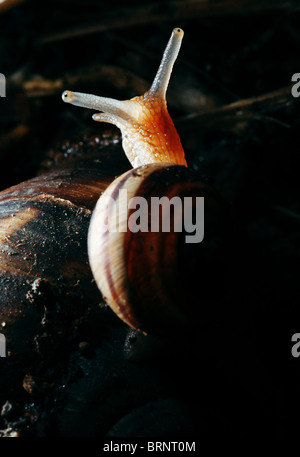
(118, 108)
(162, 78)
(148, 133)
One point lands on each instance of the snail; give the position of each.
(150, 278)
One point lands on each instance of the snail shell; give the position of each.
(150, 278)
(43, 229)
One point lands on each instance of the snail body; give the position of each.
(147, 278)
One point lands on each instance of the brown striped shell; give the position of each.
(150, 279)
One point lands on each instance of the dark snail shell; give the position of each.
(44, 265)
(155, 281)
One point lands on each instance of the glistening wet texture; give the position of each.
(152, 137)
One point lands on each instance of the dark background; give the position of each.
(230, 100)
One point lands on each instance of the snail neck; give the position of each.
(152, 137)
